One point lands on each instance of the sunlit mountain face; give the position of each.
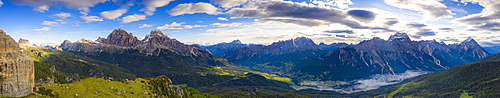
(259, 48)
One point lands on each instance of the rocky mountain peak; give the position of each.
(297, 42)
(400, 37)
(236, 41)
(24, 41)
(119, 40)
(121, 37)
(156, 32)
(469, 40)
(83, 40)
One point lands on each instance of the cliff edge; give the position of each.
(17, 72)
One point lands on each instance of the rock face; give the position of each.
(469, 49)
(120, 40)
(398, 54)
(277, 48)
(24, 41)
(16, 69)
(333, 46)
(222, 48)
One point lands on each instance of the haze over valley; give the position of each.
(249, 48)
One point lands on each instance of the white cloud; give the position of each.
(488, 19)
(191, 8)
(114, 13)
(343, 4)
(49, 23)
(431, 9)
(145, 26)
(226, 25)
(42, 29)
(88, 19)
(175, 25)
(170, 26)
(63, 15)
(300, 14)
(1, 3)
(228, 3)
(221, 18)
(151, 5)
(76, 25)
(43, 5)
(132, 18)
(42, 8)
(192, 26)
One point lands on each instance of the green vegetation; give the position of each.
(76, 65)
(47, 72)
(101, 88)
(478, 79)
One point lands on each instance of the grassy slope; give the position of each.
(101, 88)
(73, 64)
(480, 79)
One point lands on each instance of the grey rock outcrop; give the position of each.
(276, 48)
(24, 41)
(120, 40)
(16, 69)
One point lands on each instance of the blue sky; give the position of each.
(253, 21)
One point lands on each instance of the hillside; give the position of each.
(160, 86)
(479, 80)
(78, 65)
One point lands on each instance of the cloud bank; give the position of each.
(373, 82)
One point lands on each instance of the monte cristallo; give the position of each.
(16, 69)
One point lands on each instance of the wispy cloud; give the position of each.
(63, 15)
(191, 8)
(221, 18)
(228, 3)
(132, 18)
(151, 5)
(145, 26)
(431, 9)
(42, 29)
(112, 14)
(226, 25)
(49, 23)
(44, 5)
(175, 25)
(88, 19)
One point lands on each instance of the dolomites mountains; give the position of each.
(16, 69)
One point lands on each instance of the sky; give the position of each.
(207, 22)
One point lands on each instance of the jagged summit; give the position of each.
(236, 41)
(469, 40)
(399, 37)
(23, 41)
(120, 40)
(157, 32)
(120, 37)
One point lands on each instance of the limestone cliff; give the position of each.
(16, 69)
(120, 40)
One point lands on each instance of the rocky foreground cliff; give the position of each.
(16, 69)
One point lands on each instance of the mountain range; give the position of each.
(301, 58)
(300, 65)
